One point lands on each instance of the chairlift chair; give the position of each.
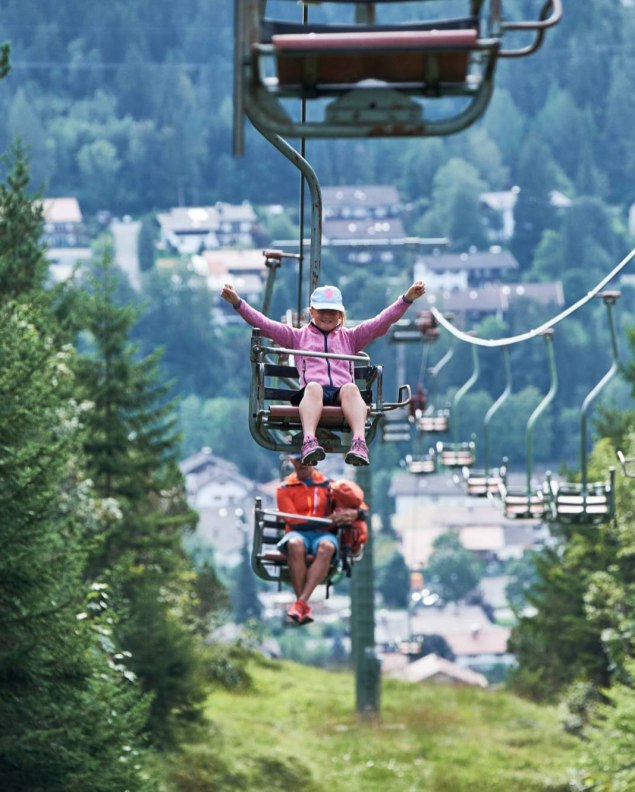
(531, 502)
(479, 482)
(459, 454)
(591, 502)
(370, 79)
(270, 564)
(421, 464)
(395, 428)
(275, 424)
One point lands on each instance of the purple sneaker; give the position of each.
(358, 453)
(312, 452)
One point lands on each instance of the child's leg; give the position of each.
(311, 408)
(354, 408)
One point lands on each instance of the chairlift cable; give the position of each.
(499, 342)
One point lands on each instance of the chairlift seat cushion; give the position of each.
(430, 56)
(272, 27)
(288, 415)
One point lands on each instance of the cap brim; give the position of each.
(327, 307)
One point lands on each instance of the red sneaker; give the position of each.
(307, 618)
(296, 611)
(300, 612)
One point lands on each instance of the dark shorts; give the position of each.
(329, 396)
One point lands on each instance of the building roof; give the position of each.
(498, 297)
(432, 668)
(494, 259)
(184, 219)
(368, 196)
(479, 639)
(368, 230)
(212, 263)
(61, 210)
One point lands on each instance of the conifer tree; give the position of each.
(70, 713)
(132, 449)
(23, 265)
(68, 720)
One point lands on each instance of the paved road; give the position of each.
(125, 236)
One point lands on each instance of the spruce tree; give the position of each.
(69, 720)
(132, 450)
(71, 715)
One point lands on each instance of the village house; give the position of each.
(188, 230)
(224, 500)
(448, 272)
(428, 506)
(473, 305)
(376, 201)
(64, 235)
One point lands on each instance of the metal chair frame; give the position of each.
(395, 72)
(270, 564)
(275, 424)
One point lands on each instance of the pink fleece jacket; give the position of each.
(341, 340)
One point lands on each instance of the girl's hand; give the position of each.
(230, 294)
(415, 291)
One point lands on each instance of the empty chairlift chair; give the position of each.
(374, 79)
(532, 502)
(459, 454)
(486, 480)
(590, 502)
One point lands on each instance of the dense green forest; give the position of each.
(103, 666)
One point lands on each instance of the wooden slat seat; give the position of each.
(430, 56)
(433, 423)
(422, 466)
(457, 458)
(286, 415)
(272, 27)
(523, 506)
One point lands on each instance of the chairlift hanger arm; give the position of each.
(550, 15)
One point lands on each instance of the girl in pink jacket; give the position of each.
(326, 380)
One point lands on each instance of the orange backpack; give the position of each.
(349, 495)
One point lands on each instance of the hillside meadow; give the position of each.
(296, 729)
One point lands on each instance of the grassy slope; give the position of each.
(297, 730)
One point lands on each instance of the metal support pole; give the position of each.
(365, 661)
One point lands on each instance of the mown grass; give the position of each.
(297, 730)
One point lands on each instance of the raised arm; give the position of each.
(417, 290)
(368, 331)
(230, 294)
(280, 333)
